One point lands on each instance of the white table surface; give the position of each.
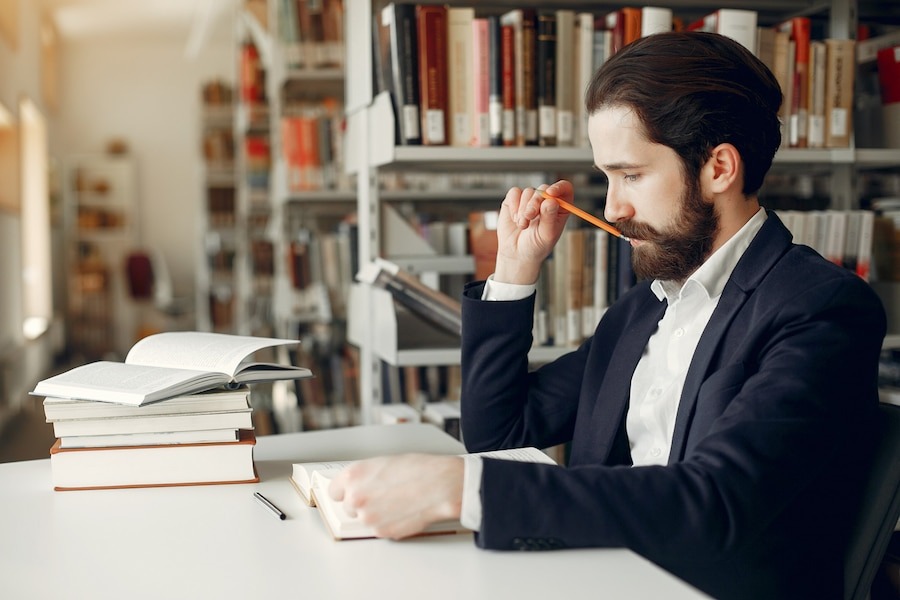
(217, 542)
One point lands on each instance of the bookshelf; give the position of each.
(218, 218)
(281, 183)
(372, 153)
(101, 225)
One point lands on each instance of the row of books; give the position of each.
(312, 145)
(845, 237)
(464, 80)
(313, 33)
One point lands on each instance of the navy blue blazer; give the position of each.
(769, 440)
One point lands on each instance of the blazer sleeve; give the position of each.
(504, 405)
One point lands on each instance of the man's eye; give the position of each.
(631, 178)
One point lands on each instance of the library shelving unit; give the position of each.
(216, 274)
(101, 226)
(371, 152)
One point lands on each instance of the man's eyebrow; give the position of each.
(619, 167)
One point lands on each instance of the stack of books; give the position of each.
(176, 412)
(192, 439)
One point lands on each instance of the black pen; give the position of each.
(265, 502)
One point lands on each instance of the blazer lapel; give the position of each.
(772, 241)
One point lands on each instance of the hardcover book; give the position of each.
(152, 466)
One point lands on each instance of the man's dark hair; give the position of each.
(692, 91)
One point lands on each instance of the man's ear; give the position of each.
(723, 171)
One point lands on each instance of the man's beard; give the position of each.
(674, 254)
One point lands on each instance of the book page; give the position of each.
(302, 473)
(127, 384)
(199, 350)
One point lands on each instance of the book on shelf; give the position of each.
(508, 85)
(171, 364)
(481, 81)
(840, 71)
(431, 28)
(737, 24)
(495, 80)
(398, 44)
(817, 81)
(566, 69)
(432, 305)
(799, 32)
(483, 241)
(446, 415)
(152, 466)
(546, 76)
(460, 75)
(311, 481)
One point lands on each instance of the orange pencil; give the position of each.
(586, 216)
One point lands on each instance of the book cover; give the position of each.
(528, 130)
(481, 78)
(495, 80)
(508, 85)
(153, 466)
(840, 72)
(799, 31)
(545, 72)
(565, 77)
(817, 80)
(655, 19)
(460, 75)
(431, 28)
(400, 51)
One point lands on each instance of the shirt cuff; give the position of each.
(496, 290)
(470, 512)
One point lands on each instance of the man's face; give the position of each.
(671, 227)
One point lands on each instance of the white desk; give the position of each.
(217, 542)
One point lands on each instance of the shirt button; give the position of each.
(678, 332)
(654, 452)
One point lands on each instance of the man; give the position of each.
(717, 416)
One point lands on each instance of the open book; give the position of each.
(171, 364)
(311, 480)
(432, 305)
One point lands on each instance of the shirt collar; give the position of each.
(712, 275)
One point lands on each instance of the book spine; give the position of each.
(460, 75)
(739, 25)
(481, 65)
(565, 77)
(432, 34)
(495, 81)
(530, 127)
(508, 84)
(817, 68)
(840, 71)
(546, 78)
(404, 63)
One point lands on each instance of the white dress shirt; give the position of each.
(658, 379)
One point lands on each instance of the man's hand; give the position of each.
(399, 496)
(527, 230)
